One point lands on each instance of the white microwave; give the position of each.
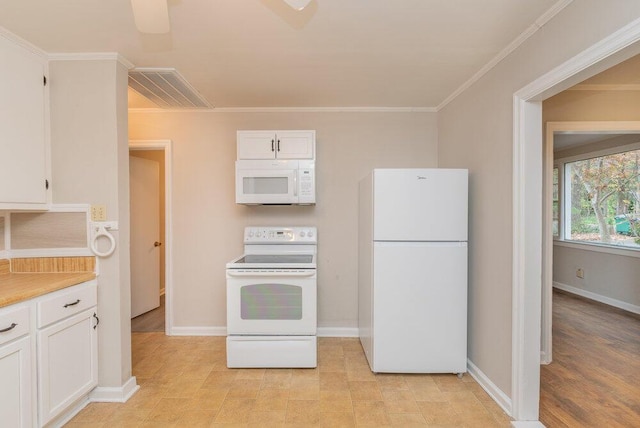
(275, 182)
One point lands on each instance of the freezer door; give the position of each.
(419, 308)
(420, 204)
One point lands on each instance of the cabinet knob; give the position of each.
(157, 244)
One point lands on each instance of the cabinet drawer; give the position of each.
(15, 322)
(67, 303)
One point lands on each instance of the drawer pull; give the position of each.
(11, 327)
(72, 304)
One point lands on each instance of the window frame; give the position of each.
(564, 203)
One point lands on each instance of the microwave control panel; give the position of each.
(307, 185)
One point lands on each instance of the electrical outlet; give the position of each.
(580, 273)
(98, 212)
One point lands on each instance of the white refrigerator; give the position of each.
(412, 270)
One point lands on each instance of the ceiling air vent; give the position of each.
(166, 88)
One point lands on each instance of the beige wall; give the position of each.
(476, 132)
(208, 225)
(90, 164)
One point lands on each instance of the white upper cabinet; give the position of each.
(23, 140)
(276, 144)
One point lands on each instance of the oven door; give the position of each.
(266, 186)
(271, 302)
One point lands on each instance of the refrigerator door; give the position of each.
(420, 204)
(419, 307)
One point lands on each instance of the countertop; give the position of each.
(18, 287)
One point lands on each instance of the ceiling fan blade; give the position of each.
(298, 4)
(151, 16)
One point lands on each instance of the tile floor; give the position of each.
(185, 382)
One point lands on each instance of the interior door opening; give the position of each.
(149, 297)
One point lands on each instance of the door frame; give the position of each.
(165, 146)
(527, 244)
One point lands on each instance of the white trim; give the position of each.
(222, 331)
(22, 42)
(69, 414)
(166, 146)
(198, 331)
(91, 56)
(630, 307)
(527, 424)
(530, 31)
(494, 392)
(103, 394)
(617, 250)
(526, 311)
(290, 110)
(337, 332)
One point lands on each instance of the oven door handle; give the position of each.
(247, 273)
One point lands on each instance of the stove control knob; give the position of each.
(310, 234)
(251, 234)
(302, 234)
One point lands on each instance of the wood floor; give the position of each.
(594, 379)
(150, 321)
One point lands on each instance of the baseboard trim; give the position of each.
(222, 331)
(338, 332)
(527, 424)
(494, 392)
(198, 331)
(598, 297)
(115, 394)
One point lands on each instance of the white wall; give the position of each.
(90, 164)
(476, 132)
(208, 225)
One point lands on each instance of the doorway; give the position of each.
(528, 242)
(150, 236)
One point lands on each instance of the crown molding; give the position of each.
(546, 17)
(91, 56)
(22, 42)
(291, 110)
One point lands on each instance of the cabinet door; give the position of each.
(256, 144)
(23, 155)
(15, 384)
(67, 363)
(295, 144)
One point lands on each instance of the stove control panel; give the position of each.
(287, 235)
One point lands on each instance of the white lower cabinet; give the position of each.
(16, 368)
(59, 332)
(67, 344)
(67, 363)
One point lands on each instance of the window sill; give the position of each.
(599, 248)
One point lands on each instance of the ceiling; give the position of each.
(262, 53)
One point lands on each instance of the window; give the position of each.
(602, 199)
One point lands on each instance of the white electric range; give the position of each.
(272, 299)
